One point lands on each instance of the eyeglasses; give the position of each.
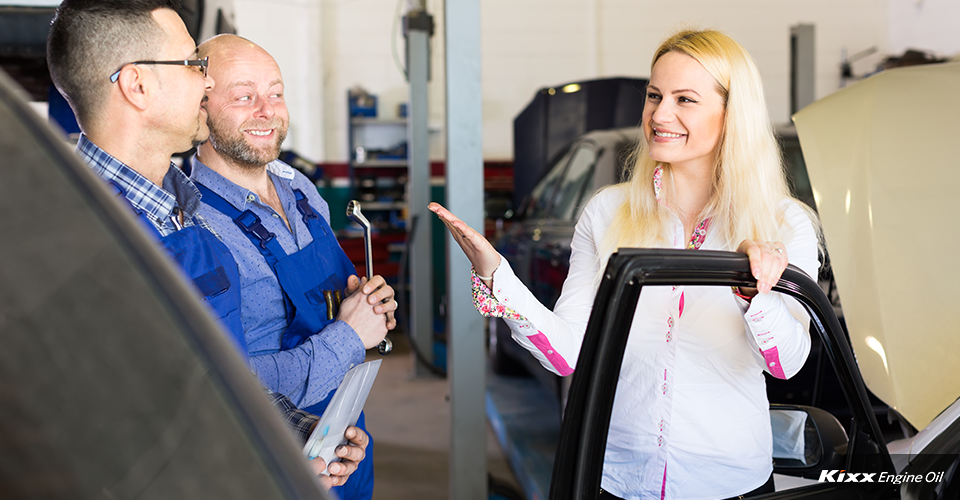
(201, 63)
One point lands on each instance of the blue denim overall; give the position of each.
(313, 281)
(208, 263)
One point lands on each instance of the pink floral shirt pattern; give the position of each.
(490, 307)
(487, 304)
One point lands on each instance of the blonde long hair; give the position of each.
(749, 183)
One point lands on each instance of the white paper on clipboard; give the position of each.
(342, 412)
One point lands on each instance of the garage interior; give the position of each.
(400, 103)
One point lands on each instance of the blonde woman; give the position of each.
(690, 419)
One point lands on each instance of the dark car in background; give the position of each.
(537, 244)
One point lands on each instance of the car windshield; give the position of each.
(540, 198)
(577, 181)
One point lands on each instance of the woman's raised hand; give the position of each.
(768, 259)
(475, 246)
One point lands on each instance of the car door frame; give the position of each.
(579, 458)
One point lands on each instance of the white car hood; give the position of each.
(884, 161)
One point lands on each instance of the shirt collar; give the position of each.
(281, 170)
(234, 194)
(156, 202)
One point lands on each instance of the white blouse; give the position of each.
(690, 417)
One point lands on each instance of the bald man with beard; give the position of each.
(308, 318)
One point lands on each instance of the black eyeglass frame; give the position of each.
(202, 63)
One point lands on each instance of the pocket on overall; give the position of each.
(307, 286)
(212, 283)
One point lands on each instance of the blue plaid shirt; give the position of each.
(158, 204)
(299, 421)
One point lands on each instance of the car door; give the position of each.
(579, 458)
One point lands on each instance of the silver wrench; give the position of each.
(354, 213)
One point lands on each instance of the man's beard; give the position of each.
(232, 144)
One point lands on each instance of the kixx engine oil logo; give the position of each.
(842, 476)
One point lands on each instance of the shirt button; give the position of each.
(669, 336)
(275, 216)
(670, 322)
(250, 198)
(660, 441)
(772, 363)
(549, 351)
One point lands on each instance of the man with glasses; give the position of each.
(199, 63)
(116, 62)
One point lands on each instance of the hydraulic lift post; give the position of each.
(417, 30)
(465, 328)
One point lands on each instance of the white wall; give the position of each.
(289, 30)
(363, 46)
(932, 25)
(324, 47)
(549, 42)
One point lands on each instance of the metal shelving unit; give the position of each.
(379, 167)
(378, 170)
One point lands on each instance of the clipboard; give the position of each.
(342, 412)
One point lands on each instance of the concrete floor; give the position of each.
(410, 420)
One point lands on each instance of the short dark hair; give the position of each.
(90, 39)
